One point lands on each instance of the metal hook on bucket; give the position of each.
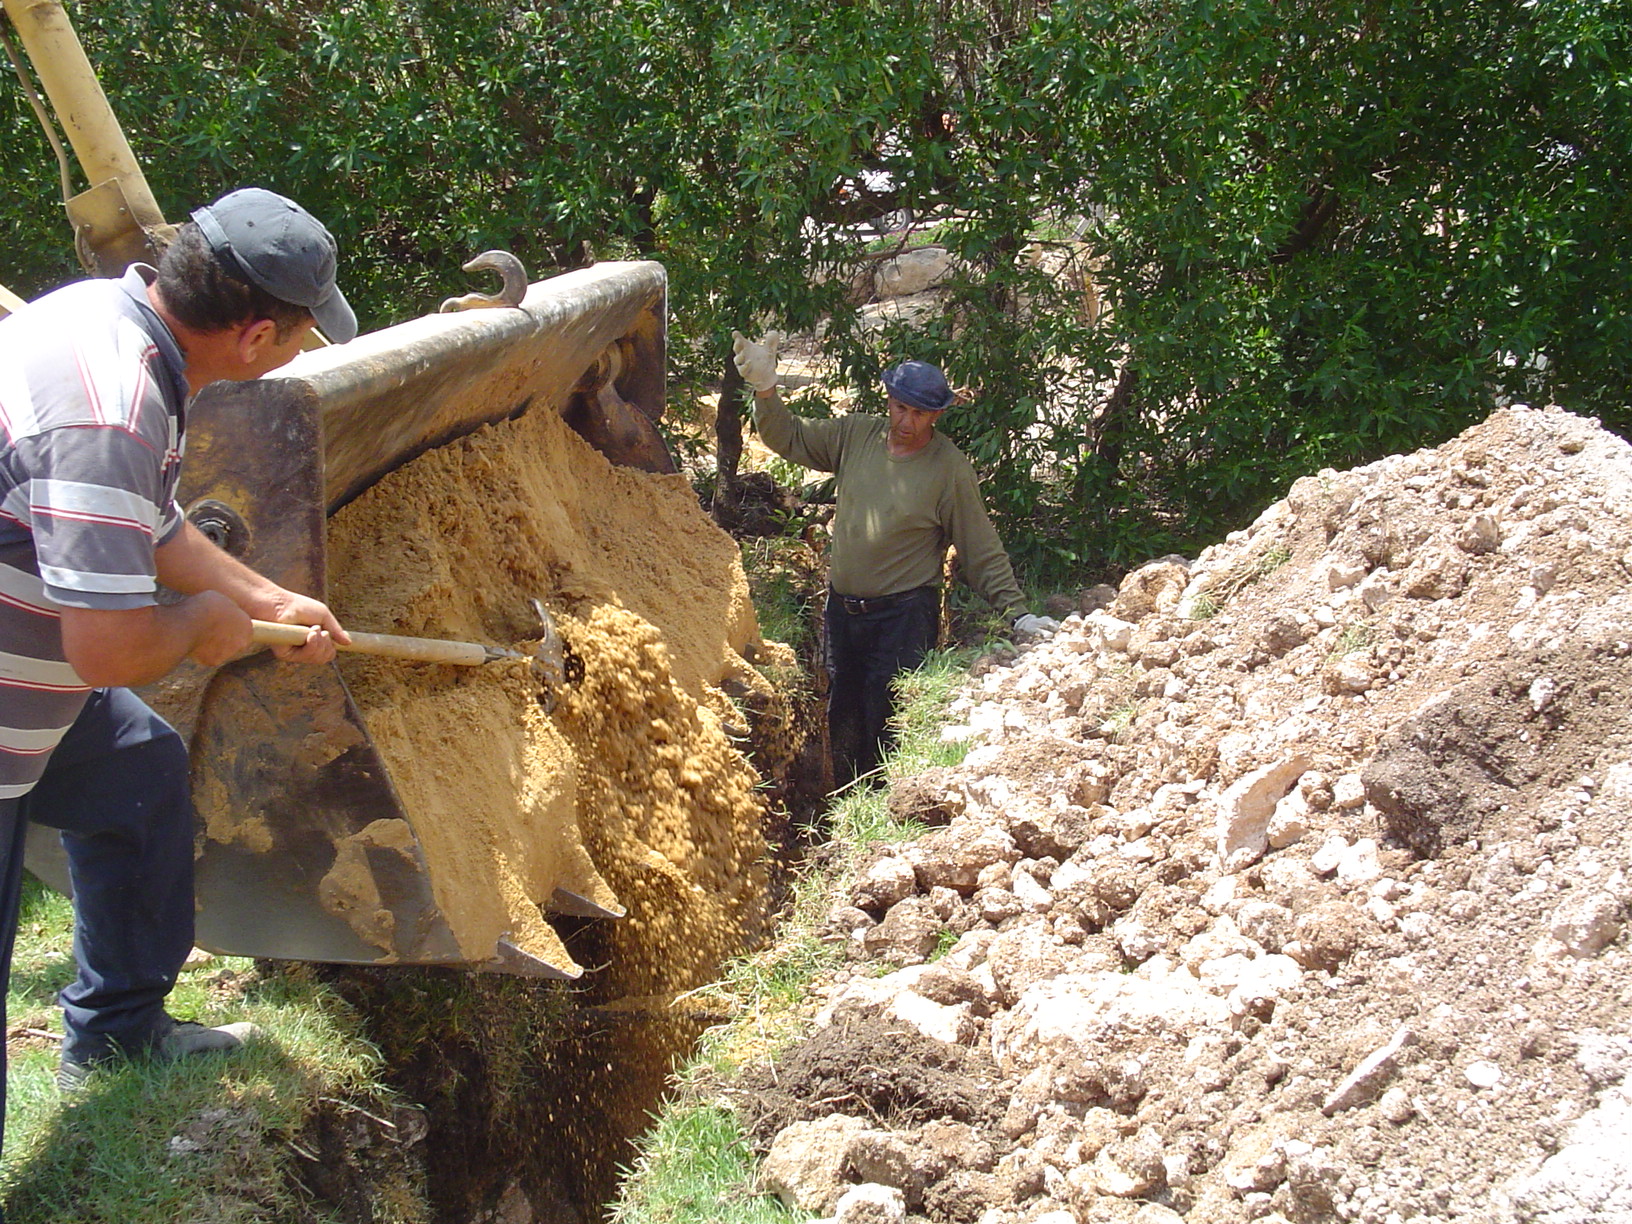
(508, 267)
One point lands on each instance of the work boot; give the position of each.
(182, 1039)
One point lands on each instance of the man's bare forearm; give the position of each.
(189, 563)
(135, 646)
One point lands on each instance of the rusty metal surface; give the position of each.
(391, 395)
(305, 851)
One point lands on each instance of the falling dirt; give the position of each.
(632, 768)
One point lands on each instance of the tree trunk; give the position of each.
(728, 447)
(1110, 436)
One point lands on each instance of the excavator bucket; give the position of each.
(341, 816)
(307, 850)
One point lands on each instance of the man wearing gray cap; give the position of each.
(904, 492)
(94, 379)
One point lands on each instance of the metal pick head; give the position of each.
(548, 664)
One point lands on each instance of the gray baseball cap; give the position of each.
(276, 245)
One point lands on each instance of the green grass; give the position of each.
(916, 236)
(209, 1138)
(694, 1166)
(921, 700)
(1352, 638)
(1249, 571)
(1205, 607)
(1120, 720)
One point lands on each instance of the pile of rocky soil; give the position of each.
(1290, 886)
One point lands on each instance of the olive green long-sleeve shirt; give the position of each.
(895, 517)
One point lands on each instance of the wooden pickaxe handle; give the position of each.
(390, 645)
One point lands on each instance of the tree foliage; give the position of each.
(1318, 233)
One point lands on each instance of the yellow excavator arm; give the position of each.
(115, 218)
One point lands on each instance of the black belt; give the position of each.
(876, 603)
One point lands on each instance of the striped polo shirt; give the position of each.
(91, 401)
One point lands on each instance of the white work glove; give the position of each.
(1028, 625)
(756, 362)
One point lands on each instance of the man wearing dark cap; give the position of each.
(905, 492)
(94, 378)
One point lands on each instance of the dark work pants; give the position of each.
(117, 787)
(864, 651)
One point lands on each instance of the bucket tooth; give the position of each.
(579, 890)
(507, 958)
(575, 905)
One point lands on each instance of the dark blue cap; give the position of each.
(275, 244)
(917, 384)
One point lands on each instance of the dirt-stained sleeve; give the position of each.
(811, 444)
(981, 556)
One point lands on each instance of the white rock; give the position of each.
(805, 1166)
(1326, 859)
(1343, 574)
(1348, 792)
(1113, 634)
(886, 881)
(1142, 851)
(971, 948)
(856, 997)
(1482, 534)
(1078, 1016)
(1587, 923)
(1418, 927)
(1070, 873)
(1219, 894)
(1359, 864)
(1604, 1058)
(1376, 590)
(870, 1203)
(1482, 1074)
(1381, 911)
(1247, 1173)
(1589, 1180)
(1033, 897)
(1136, 940)
(1245, 808)
(1290, 822)
(1354, 674)
(1223, 974)
(1263, 980)
(911, 272)
(939, 1022)
(1365, 1080)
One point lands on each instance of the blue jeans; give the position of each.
(117, 786)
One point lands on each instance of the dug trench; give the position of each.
(646, 780)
